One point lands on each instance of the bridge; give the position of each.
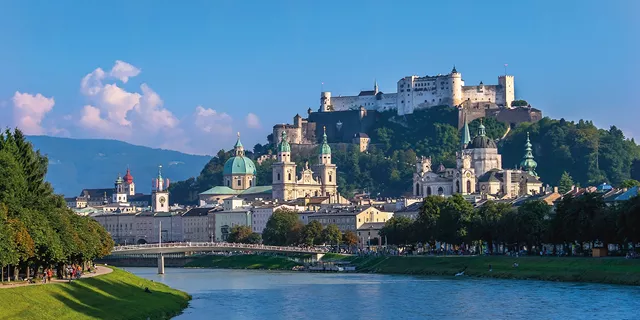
(182, 247)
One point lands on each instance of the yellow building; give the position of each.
(319, 183)
(350, 218)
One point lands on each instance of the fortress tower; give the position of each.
(507, 83)
(325, 101)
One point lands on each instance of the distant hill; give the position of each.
(75, 164)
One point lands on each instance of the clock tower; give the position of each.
(160, 195)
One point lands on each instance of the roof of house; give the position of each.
(372, 225)
(197, 212)
(496, 175)
(228, 191)
(414, 207)
(96, 193)
(367, 93)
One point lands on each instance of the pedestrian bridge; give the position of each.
(183, 247)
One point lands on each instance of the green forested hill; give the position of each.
(590, 155)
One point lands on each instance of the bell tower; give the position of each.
(160, 194)
(120, 194)
(284, 172)
(326, 170)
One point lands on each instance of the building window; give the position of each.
(289, 177)
(239, 183)
(468, 186)
(228, 183)
(278, 177)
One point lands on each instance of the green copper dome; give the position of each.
(239, 164)
(528, 164)
(284, 144)
(325, 148)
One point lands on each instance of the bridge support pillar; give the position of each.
(161, 264)
(318, 256)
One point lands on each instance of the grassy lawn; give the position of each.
(117, 295)
(602, 270)
(243, 262)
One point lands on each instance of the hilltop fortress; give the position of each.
(415, 92)
(348, 118)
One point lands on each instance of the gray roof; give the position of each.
(497, 175)
(197, 212)
(414, 207)
(482, 142)
(97, 193)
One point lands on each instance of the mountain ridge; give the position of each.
(75, 164)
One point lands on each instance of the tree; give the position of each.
(253, 238)
(397, 230)
(532, 222)
(485, 225)
(283, 228)
(311, 233)
(565, 183)
(36, 227)
(350, 238)
(239, 234)
(426, 224)
(519, 103)
(331, 234)
(455, 218)
(629, 183)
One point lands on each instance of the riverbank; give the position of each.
(597, 270)
(116, 295)
(252, 261)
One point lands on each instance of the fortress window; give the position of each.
(289, 177)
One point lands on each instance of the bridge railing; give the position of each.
(213, 245)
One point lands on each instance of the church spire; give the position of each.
(238, 148)
(481, 131)
(375, 86)
(528, 164)
(466, 136)
(325, 148)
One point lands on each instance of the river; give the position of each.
(267, 295)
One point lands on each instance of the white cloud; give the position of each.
(29, 110)
(116, 112)
(210, 121)
(123, 71)
(253, 121)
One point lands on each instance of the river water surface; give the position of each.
(266, 295)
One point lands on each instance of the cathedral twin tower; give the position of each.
(321, 183)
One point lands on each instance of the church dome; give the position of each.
(482, 142)
(239, 165)
(128, 178)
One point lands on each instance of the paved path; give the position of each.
(100, 270)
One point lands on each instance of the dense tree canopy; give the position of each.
(36, 228)
(587, 154)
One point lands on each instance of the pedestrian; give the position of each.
(49, 274)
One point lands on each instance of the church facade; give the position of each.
(321, 182)
(478, 171)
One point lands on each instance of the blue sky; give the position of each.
(192, 73)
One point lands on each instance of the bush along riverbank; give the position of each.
(253, 261)
(117, 295)
(597, 270)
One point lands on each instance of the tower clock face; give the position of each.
(162, 200)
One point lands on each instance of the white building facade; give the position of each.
(416, 92)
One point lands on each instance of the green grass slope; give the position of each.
(600, 270)
(117, 295)
(243, 262)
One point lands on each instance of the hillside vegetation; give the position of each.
(588, 154)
